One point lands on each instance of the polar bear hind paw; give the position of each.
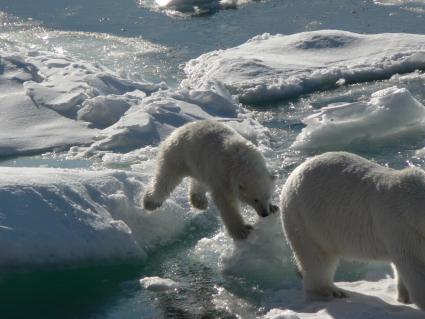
(325, 294)
(199, 201)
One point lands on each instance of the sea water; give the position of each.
(146, 40)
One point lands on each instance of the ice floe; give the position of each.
(70, 217)
(264, 257)
(389, 114)
(275, 67)
(158, 284)
(63, 102)
(193, 7)
(52, 96)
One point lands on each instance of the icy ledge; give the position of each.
(69, 217)
(389, 114)
(279, 67)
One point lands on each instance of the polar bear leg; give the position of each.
(167, 178)
(232, 219)
(402, 292)
(197, 195)
(411, 270)
(317, 268)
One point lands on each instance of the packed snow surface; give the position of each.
(389, 114)
(275, 67)
(69, 217)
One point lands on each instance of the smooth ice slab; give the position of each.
(389, 114)
(270, 67)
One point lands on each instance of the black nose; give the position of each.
(273, 209)
(264, 214)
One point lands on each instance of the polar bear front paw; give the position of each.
(325, 294)
(199, 201)
(149, 203)
(241, 232)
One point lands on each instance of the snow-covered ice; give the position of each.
(52, 96)
(63, 102)
(389, 114)
(71, 217)
(367, 299)
(275, 67)
(262, 258)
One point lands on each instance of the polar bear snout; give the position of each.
(266, 210)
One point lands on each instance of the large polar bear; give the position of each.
(341, 205)
(219, 160)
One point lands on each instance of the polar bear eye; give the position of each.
(256, 200)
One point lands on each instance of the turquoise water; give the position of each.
(153, 46)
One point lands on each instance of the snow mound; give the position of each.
(69, 217)
(53, 96)
(390, 113)
(158, 284)
(269, 67)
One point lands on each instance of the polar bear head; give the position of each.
(256, 185)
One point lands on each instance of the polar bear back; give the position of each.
(352, 207)
(212, 152)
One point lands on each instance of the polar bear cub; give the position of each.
(218, 160)
(340, 205)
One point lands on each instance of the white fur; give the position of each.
(218, 160)
(340, 205)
